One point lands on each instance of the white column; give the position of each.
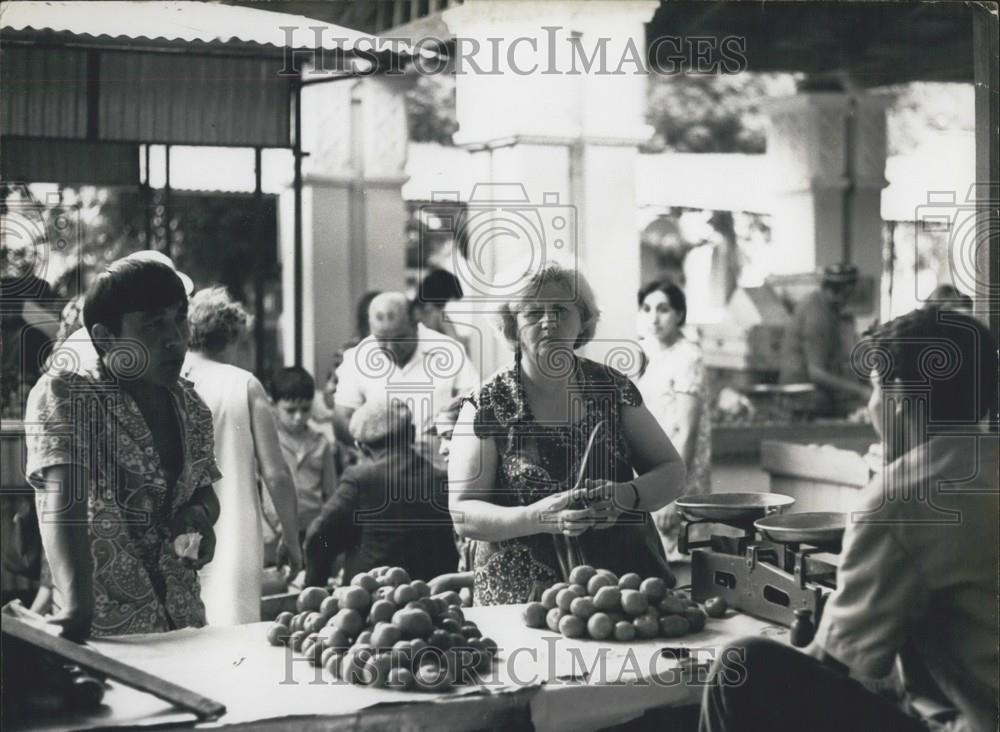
(354, 216)
(384, 142)
(870, 149)
(569, 138)
(825, 148)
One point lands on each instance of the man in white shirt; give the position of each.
(404, 360)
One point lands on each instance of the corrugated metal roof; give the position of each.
(35, 105)
(70, 161)
(185, 21)
(192, 99)
(151, 97)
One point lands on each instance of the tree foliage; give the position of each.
(723, 113)
(430, 109)
(920, 109)
(689, 113)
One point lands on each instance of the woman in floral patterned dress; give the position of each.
(674, 387)
(512, 480)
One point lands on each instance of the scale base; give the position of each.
(754, 587)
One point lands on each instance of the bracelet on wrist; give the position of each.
(635, 495)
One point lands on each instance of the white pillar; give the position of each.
(354, 216)
(827, 151)
(568, 138)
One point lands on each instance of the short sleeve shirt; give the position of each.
(308, 456)
(918, 580)
(80, 416)
(817, 333)
(438, 371)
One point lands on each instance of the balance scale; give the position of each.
(770, 569)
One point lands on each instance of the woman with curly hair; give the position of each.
(512, 476)
(246, 439)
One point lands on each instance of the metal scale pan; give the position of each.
(732, 507)
(816, 529)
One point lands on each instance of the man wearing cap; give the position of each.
(818, 341)
(390, 510)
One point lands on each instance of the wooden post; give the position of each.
(985, 54)
(258, 270)
(167, 245)
(147, 200)
(297, 232)
(384, 17)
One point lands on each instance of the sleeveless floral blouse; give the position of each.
(537, 459)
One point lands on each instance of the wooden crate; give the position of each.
(744, 441)
(12, 455)
(272, 605)
(818, 477)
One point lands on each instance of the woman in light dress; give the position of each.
(674, 388)
(246, 444)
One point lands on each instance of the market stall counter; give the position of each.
(556, 683)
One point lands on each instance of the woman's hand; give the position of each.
(608, 500)
(667, 519)
(558, 514)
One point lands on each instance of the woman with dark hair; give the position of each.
(246, 440)
(674, 387)
(436, 290)
(511, 479)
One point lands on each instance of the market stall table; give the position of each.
(557, 683)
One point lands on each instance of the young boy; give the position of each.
(122, 429)
(308, 453)
(322, 418)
